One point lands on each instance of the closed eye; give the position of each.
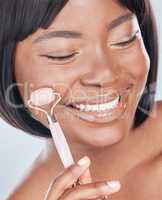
(125, 43)
(61, 57)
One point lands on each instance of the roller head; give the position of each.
(43, 96)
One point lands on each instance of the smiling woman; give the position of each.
(104, 66)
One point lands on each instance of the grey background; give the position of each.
(18, 150)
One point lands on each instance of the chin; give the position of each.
(92, 134)
(99, 141)
(103, 136)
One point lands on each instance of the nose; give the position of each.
(101, 72)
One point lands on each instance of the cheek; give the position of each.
(137, 63)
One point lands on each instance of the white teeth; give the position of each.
(81, 107)
(99, 107)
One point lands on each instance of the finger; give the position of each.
(92, 191)
(67, 179)
(86, 178)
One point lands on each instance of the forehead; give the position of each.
(79, 13)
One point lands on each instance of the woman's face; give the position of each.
(91, 54)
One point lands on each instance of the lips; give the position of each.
(105, 116)
(104, 98)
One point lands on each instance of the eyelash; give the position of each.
(125, 43)
(64, 58)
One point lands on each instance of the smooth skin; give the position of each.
(95, 62)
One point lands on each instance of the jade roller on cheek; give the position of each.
(39, 100)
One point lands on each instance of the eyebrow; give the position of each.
(77, 35)
(120, 20)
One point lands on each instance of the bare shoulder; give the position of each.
(31, 187)
(34, 185)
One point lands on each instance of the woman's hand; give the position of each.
(61, 188)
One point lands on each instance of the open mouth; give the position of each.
(110, 110)
(101, 107)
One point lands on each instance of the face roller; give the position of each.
(41, 98)
(38, 100)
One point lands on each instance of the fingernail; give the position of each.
(111, 187)
(83, 161)
(114, 185)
